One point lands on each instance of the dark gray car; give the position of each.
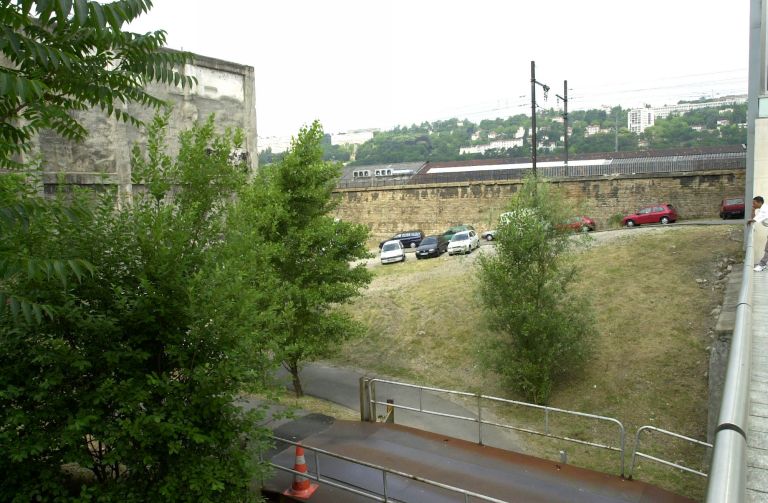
(409, 239)
(432, 246)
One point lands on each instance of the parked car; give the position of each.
(584, 224)
(732, 207)
(408, 239)
(463, 242)
(658, 213)
(489, 235)
(432, 246)
(392, 251)
(448, 235)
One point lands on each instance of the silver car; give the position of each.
(463, 242)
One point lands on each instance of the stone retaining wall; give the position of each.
(433, 208)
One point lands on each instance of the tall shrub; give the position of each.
(542, 330)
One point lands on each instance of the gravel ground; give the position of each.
(457, 265)
(459, 262)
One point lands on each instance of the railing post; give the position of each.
(390, 411)
(634, 454)
(479, 420)
(372, 396)
(365, 400)
(623, 447)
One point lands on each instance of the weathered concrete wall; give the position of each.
(223, 88)
(433, 208)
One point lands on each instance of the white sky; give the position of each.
(371, 63)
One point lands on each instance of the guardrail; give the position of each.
(728, 470)
(633, 166)
(385, 475)
(638, 454)
(478, 418)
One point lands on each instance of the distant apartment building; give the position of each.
(494, 145)
(662, 112)
(591, 130)
(356, 137)
(277, 144)
(639, 119)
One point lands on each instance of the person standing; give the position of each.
(760, 214)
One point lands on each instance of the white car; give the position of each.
(392, 251)
(463, 242)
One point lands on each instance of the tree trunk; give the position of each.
(293, 368)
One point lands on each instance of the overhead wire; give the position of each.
(584, 94)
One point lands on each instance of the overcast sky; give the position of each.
(369, 63)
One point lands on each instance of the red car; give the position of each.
(732, 207)
(656, 214)
(582, 223)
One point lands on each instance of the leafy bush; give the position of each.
(543, 330)
(614, 221)
(130, 369)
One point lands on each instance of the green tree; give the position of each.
(542, 329)
(62, 56)
(672, 132)
(129, 379)
(303, 253)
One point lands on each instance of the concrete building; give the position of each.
(640, 118)
(665, 111)
(223, 88)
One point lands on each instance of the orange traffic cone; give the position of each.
(301, 487)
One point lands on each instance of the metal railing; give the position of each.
(478, 418)
(631, 166)
(728, 471)
(386, 474)
(637, 454)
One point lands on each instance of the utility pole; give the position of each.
(616, 133)
(533, 114)
(564, 97)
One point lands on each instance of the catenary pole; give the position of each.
(564, 97)
(565, 118)
(533, 118)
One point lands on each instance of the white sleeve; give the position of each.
(761, 214)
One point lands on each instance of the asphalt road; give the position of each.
(341, 386)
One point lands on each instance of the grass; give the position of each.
(650, 362)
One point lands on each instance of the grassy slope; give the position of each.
(650, 360)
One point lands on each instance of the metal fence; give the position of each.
(637, 454)
(314, 473)
(478, 417)
(616, 166)
(728, 472)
